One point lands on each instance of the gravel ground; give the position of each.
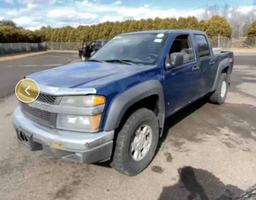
(207, 152)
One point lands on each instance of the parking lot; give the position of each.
(207, 151)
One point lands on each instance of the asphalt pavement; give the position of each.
(12, 71)
(207, 152)
(245, 59)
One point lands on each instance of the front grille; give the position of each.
(47, 98)
(39, 116)
(42, 117)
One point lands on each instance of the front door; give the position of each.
(182, 83)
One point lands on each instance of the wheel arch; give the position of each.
(223, 67)
(141, 95)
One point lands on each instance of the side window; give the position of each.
(182, 44)
(202, 45)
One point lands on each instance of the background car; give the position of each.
(89, 48)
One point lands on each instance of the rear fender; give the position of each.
(222, 65)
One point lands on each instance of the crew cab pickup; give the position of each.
(114, 105)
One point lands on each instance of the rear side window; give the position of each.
(202, 45)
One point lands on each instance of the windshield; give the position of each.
(140, 48)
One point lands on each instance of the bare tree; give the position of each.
(239, 21)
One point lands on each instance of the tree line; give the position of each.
(9, 33)
(215, 26)
(252, 30)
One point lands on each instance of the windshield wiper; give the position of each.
(94, 60)
(127, 61)
(123, 61)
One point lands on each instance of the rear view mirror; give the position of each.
(176, 59)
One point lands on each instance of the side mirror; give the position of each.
(176, 59)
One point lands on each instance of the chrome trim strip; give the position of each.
(57, 91)
(72, 110)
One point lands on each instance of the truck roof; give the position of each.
(168, 31)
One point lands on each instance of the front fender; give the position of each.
(122, 102)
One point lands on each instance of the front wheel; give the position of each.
(136, 142)
(221, 91)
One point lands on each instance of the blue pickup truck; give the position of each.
(114, 105)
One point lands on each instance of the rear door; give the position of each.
(206, 61)
(182, 83)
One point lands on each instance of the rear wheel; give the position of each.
(220, 94)
(136, 142)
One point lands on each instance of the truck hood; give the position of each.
(85, 74)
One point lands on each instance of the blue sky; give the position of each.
(33, 14)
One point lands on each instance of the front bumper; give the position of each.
(82, 147)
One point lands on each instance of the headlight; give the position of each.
(83, 101)
(78, 123)
(82, 123)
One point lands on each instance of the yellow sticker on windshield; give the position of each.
(158, 40)
(117, 37)
(160, 35)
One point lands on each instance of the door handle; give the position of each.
(212, 62)
(195, 68)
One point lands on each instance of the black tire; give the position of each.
(122, 159)
(217, 97)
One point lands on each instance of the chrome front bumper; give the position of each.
(84, 147)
